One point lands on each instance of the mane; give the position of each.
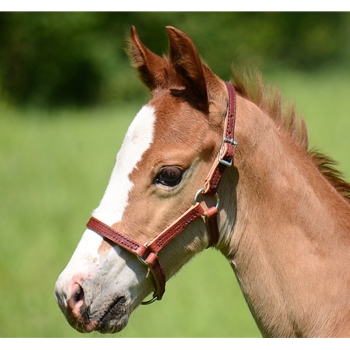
(250, 86)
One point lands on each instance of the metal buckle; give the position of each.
(144, 262)
(230, 141)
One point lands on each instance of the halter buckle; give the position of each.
(147, 264)
(141, 259)
(220, 155)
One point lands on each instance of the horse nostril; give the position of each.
(76, 301)
(79, 294)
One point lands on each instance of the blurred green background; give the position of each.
(67, 96)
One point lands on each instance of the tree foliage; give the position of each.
(58, 58)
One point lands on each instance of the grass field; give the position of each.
(54, 169)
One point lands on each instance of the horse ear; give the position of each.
(188, 66)
(151, 67)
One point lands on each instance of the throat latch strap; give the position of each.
(228, 146)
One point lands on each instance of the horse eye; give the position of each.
(169, 176)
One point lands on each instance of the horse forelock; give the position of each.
(250, 86)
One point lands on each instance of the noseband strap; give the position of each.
(148, 253)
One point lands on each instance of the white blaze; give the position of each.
(137, 140)
(86, 258)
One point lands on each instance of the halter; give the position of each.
(148, 253)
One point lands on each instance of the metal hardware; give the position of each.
(201, 191)
(144, 262)
(150, 301)
(230, 141)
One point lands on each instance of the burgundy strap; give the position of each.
(125, 242)
(148, 257)
(148, 253)
(224, 159)
(211, 220)
(228, 146)
(177, 227)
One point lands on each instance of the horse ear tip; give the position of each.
(171, 29)
(133, 30)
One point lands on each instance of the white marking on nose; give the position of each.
(84, 260)
(137, 140)
(86, 256)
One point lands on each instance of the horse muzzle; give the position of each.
(106, 315)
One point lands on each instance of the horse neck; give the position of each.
(289, 246)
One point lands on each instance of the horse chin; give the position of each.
(113, 326)
(108, 326)
(113, 319)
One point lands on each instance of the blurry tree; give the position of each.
(51, 59)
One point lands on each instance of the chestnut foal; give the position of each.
(278, 213)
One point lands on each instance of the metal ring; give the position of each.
(197, 194)
(201, 191)
(217, 200)
(155, 297)
(144, 262)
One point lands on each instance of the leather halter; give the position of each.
(148, 253)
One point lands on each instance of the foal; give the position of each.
(280, 214)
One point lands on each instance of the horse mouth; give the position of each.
(113, 320)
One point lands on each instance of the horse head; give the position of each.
(145, 228)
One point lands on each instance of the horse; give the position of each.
(208, 163)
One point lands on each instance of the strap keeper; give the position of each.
(210, 218)
(210, 212)
(152, 257)
(226, 150)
